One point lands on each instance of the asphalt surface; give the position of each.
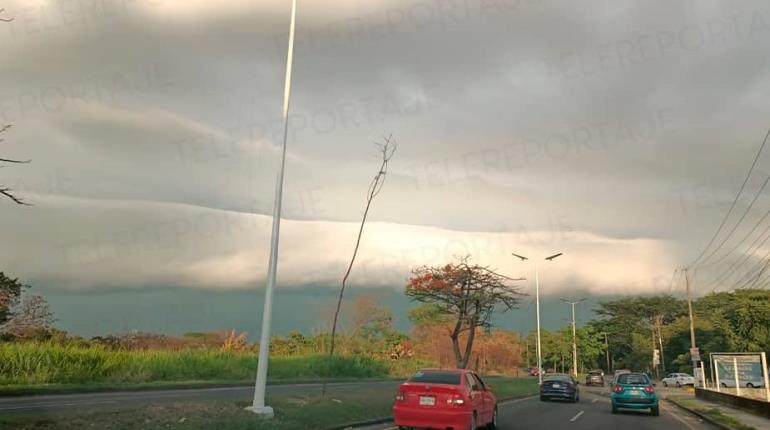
(39, 405)
(593, 412)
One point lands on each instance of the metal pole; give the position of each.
(258, 405)
(574, 342)
(764, 370)
(607, 349)
(537, 300)
(735, 374)
(703, 374)
(716, 375)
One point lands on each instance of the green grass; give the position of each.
(712, 413)
(43, 364)
(342, 406)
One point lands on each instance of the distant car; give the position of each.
(634, 391)
(434, 398)
(619, 372)
(678, 379)
(533, 371)
(559, 386)
(730, 383)
(595, 377)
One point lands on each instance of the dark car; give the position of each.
(559, 386)
(595, 378)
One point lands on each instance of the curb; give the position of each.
(386, 420)
(701, 415)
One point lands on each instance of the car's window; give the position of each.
(436, 377)
(480, 382)
(471, 383)
(633, 379)
(556, 378)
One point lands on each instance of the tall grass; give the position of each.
(46, 363)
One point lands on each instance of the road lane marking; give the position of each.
(577, 416)
(103, 402)
(510, 402)
(594, 401)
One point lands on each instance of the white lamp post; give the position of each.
(537, 307)
(259, 406)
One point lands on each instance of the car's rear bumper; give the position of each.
(634, 403)
(562, 394)
(423, 417)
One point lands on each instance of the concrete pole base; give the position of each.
(264, 412)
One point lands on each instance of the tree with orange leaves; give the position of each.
(467, 294)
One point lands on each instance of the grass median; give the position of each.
(713, 413)
(294, 411)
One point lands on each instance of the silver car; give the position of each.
(678, 379)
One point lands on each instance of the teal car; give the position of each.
(634, 391)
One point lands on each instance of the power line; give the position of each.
(735, 227)
(735, 201)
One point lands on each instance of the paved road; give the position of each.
(593, 412)
(94, 402)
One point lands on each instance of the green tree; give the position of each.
(10, 294)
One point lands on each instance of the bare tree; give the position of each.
(6, 191)
(33, 317)
(386, 149)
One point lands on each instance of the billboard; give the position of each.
(749, 366)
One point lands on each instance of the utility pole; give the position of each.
(692, 321)
(574, 335)
(607, 350)
(659, 324)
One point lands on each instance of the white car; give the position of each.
(730, 383)
(678, 379)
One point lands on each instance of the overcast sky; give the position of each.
(616, 132)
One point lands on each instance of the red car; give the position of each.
(445, 399)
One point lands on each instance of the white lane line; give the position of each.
(577, 416)
(102, 402)
(594, 401)
(510, 402)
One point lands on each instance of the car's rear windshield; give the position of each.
(595, 373)
(436, 377)
(633, 379)
(556, 378)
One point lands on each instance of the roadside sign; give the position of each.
(695, 354)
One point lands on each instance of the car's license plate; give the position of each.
(556, 386)
(427, 400)
(635, 392)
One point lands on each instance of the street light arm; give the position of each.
(523, 258)
(554, 256)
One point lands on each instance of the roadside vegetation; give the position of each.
(713, 413)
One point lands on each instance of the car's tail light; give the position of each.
(649, 390)
(400, 397)
(617, 389)
(456, 399)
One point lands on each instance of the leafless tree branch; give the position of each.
(3, 189)
(386, 149)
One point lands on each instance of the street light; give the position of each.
(258, 406)
(537, 307)
(574, 334)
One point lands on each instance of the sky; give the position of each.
(614, 132)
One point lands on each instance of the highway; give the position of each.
(591, 413)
